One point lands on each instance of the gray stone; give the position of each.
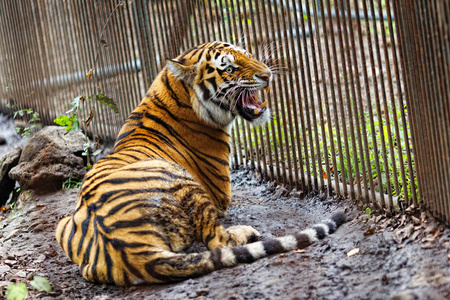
(49, 158)
(7, 162)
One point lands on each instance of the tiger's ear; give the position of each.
(180, 70)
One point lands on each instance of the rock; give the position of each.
(7, 162)
(281, 192)
(2, 141)
(49, 158)
(3, 269)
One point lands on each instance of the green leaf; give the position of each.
(105, 100)
(71, 123)
(16, 291)
(97, 152)
(76, 102)
(41, 284)
(62, 121)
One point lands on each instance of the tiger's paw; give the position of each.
(243, 234)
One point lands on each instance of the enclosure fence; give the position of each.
(360, 100)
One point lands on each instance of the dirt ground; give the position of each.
(403, 257)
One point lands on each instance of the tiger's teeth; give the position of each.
(264, 104)
(256, 111)
(267, 89)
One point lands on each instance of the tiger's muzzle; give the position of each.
(247, 103)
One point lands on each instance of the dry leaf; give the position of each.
(353, 252)
(89, 74)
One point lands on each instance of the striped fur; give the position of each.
(167, 181)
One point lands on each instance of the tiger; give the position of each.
(166, 183)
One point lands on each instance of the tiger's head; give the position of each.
(225, 79)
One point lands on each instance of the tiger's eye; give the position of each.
(229, 70)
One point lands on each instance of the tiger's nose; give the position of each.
(264, 76)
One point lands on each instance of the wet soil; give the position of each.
(402, 257)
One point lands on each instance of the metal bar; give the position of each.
(333, 97)
(352, 106)
(372, 125)
(342, 110)
(359, 112)
(404, 52)
(401, 105)
(283, 110)
(244, 28)
(241, 129)
(378, 101)
(306, 98)
(274, 170)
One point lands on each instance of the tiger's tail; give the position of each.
(175, 267)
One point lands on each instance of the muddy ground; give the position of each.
(403, 257)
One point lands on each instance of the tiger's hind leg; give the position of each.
(210, 231)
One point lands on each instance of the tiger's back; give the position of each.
(167, 181)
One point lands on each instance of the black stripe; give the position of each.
(123, 135)
(63, 231)
(183, 142)
(120, 245)
(135, 116)
(273, 246)
(108, 261)
(222, 105)
(331, 226)
(87, 251)
(124, 180)
(166, 81)
(339, 218)
(84, 229)
(188, 51)
(94, 273)
(212, 81)
(162, 106)
(150, 268)
(126, 280)
(302, 240)
(130, 268)
(209, 69)
(69, 240)
(200, 54)
(320, 232)
(205, 91)
(216, 258)
(242, 255)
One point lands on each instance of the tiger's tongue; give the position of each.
(252, 102)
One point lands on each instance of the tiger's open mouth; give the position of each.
(249, 106)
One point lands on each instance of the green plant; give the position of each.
(72, 122)
(346, 163)
(16, 291)
(368, 212)
(40, 284)
(71, 183)
(28, 115)
(19, 291)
